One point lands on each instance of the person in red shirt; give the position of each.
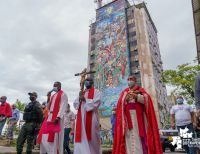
(5, 112)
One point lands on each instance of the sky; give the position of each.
(46, 41)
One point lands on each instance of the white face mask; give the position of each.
(113, 112)
(55, 89)
(131, 84)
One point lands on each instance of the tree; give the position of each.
(20, 105)
(182, 79)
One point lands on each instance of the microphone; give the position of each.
(84, 73)
(50, 92)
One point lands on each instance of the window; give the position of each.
(130, 21)
(132, 39)
(131, 25)
(93, 47)
(135, 52)
(93, 32)
(92, 57)
(93, 40)
(132, 49)
(135, 58)
(135, 68)
(91, 65)
(135, 63)
(132, 34)
(131, 30)
(129, 13)
(136, 71)
(134, 43)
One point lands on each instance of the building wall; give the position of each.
(145, 57)
(133, 45)
(196, 13)
(91, 45)
(161, 92)
(110, 55)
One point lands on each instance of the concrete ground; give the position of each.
(11, 150)
(176, 152)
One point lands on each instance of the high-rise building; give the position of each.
(196, 13)
(123, 40)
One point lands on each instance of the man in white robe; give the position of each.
(52, 143)
(87, 137)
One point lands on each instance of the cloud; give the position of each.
(174, 21)
(42, 42)
(46, 41)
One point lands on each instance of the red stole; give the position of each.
(138, 107)
(88, 125)
(55, 112)
(54, 116)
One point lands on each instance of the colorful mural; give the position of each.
(111, 54)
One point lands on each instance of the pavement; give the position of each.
(12, 150)
(176, 152)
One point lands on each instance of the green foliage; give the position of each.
(20, 105)
(182, 79)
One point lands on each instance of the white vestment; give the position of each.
(85, 146)
(133, 140)
(56, 146)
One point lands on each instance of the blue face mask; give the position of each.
(88, 85)
(179, 101)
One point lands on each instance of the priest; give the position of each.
(87, 139)
(51, 135)
(136, 128)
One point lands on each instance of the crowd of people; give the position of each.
(133, 120)
(50, 124)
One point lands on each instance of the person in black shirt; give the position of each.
(33, 118)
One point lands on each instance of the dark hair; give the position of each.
(133, 77)
(4, 97)
(58, 82)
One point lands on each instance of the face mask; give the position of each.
(55, 89)
(113, 112)
(32, 98)
(131, 84)
(88, 84)
(179, 101)
(2, 101)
